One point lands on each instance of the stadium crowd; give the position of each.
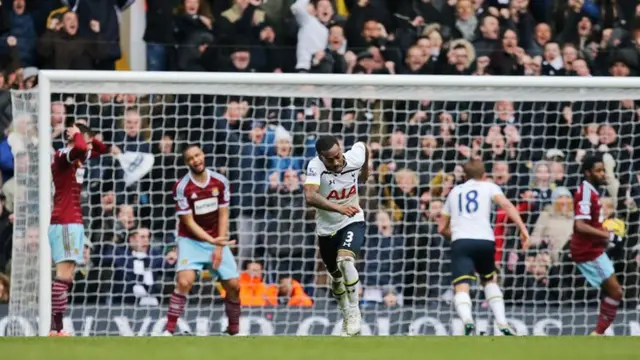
(262, 144)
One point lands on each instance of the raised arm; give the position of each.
(79, 149)
(514, 215)
(98, 147)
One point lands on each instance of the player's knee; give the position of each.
(344, 261)
(616, 293)
(461, 287)
(183, 284)
(65, 270)
(232, 288)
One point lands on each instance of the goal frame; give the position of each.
(384, 87)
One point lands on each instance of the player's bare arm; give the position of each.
(583, 227)
(514, 215)
(364, 171)
(201, 234)
(313, 198)
(444, 226)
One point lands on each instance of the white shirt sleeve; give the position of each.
(357, 155)
(495, 190)
(314, 172)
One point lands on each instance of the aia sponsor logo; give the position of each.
(342, 194)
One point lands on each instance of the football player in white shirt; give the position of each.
(467, 221)
(331, 187)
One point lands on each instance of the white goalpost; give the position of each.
(456, 114)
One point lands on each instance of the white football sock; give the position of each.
(351, 278)
(462, 302)
(339, 291)
(493, 294)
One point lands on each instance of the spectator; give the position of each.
(312, 34)
(101, 17)
(193, 33)
(4, 289)
(383, 264)
(253, 290)
(291, 293)
(6, 233)
(63, 48)
(554, 226)
(159, 33)
(21, 35)
(138, 268)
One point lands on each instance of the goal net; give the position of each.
(259, 131)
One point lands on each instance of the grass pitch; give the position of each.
(322, 348)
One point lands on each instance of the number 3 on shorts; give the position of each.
(348, 239)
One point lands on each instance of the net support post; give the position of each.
(44, 199)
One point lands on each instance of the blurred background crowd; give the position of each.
(262, 144)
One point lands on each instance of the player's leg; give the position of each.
(484, 261)
(351, 239)
(463, 273)
(191, 259)
(227, 271)
(67, 243)
(328, 253)
(601, 273)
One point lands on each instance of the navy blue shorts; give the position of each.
(471, 256)
(350, 238)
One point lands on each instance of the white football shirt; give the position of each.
(340, 188)
(469, 208)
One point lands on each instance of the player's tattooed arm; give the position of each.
(364, 171)
(201, 234)
(313, 198)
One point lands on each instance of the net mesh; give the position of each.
(23, 189)
(261, 138)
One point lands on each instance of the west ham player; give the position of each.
(467, 221)
(66, 231)
(331, 187)
(202, 205)
(590, 240)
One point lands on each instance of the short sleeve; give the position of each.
(357, 155)
(582, 205)
(495, 191)
(180, 197)
(314, 172)
(224, 197)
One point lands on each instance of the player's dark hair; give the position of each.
(188, 147)
(590, 161)
(84, 129)
(325, 143)
(474, 169)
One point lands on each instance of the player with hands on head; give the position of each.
(331, 186)
(202, 206)
(590, 241)
(466, 221)
(66, 229)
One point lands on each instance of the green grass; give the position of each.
(322, 348)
